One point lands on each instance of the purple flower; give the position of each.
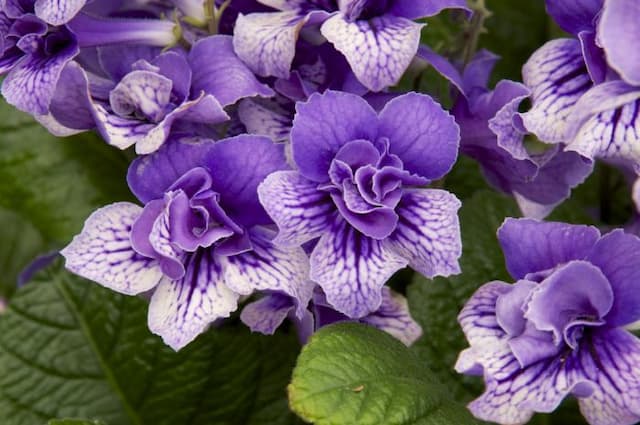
(145, 96)
(357, 188)
(199, 243)
(586, 90)
(393, 317)
(378, 37)
(559, 329)
(492, 134)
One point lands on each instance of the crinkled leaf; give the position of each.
(436, 304)
(355, 374)
(69, 348)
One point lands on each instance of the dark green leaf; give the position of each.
(74, 422)
(69, 348)
(436, 304)
(355, 374)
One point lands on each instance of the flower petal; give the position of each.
(574, 16)
(557, 76)
(265, 117)
(323, 125)
(352, 269)
(102, 252)
(478, 317)
(428, 232)
(180, 310)
(57, 12)
(394, 318)
(301, 211)
(532, 246)
(219, 72)
(618, 33)
(429, 146)
(379, 50)
(267, 314)
(416, 9)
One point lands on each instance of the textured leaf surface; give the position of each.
(436, 304)
(70, 349)
(354, 374)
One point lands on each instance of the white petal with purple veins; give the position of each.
(352, 269)
(265, 117)
(394, 318)
(180, 310)
(300, 210)
(557, 76)
(102, 252)
(267, 314)
(58, 12)
(428, 232)
(379, 50)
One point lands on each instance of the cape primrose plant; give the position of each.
(338, 211)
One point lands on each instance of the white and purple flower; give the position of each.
(559, 329)
(199, 243)
(358, 187)
(379, 38)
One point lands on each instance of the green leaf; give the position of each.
(355, 374)
(49, 187)
(436, 304)
(74, 422)
(69, 348)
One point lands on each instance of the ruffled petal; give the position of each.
(557, 76)
(429, 146)
(428, 232)
(394, 318)
(301, 211)
(379, 50)
(352, 269)
(103, 253)
(532, 246)
(180, 310)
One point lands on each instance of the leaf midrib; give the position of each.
(108, 374)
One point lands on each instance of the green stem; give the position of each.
(475, 28)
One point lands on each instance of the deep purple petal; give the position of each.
(428, 232)
(619, 33)
(379, 50)
(617, 254)
(429, 146)
(237, 166)
(352, 269)
(301, 211)
(323, 125)
(594, 56)
(416, 9)
(442, 65)
(219, 72)
(574, 16)
(377, 223)
(532, 246)
(103, 253)
(557, 76)
(180, 310)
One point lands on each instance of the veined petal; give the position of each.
(57, 12)
(171, 256)
(180, 310)
(557, 76)
(103, 253)
(352, 269)
(268, 267)
(266, 42)
(301, 211)
(265, 118)
(428, 232)
(379, 50)
(267, 314)
(394, 318)
(478, 317)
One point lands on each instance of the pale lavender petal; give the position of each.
(557, 76)
(170, 256)
(219, 72)
(429, 146)
(266, 42)
(617, 254)
(267, 314)
(323, 125)
(618, 34)
(301, 211)
(58, 12)
(145, 92)
(118, 131)
(285, 4)
(605, 123)
(416, 9)
(394, 318)
(268, 267)
(478, 72)
(180, 310)
(428, 232)
(532, 246)
(102, 252)
(352, 269)
(379, 50)
(267, 118)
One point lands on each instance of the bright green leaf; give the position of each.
(355, 374)
(69, 348)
